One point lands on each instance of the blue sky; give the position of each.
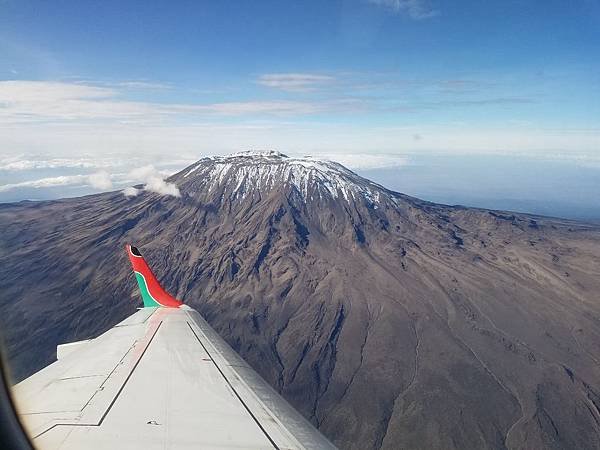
(366, 81)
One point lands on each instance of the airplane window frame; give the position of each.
(12, 432)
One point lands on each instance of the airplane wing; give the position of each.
(161, 379)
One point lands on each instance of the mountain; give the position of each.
(388, 321)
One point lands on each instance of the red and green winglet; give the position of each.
(152, 292)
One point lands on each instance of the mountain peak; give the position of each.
(258, 153)
(241, 174)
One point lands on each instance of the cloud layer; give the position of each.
(20, 163)
(98, 181)
(65, 180)
(26, 102)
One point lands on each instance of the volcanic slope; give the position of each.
(388, 321)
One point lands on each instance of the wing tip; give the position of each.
(153, 294)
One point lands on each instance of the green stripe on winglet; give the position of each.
(149, 302)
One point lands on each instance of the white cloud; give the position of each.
(17, 91)
(274, 108)
(415, 9)
(294, 82)
(130, 191)
(143, 85)
(26, 102)
(143, 173)
(66, 180)
(100, 180)
(153, 181)
(18, 163)
(159, 186)
(34, 101)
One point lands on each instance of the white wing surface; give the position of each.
(161, 379)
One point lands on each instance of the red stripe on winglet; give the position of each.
(154, 287)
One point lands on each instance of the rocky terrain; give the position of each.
(388, 321)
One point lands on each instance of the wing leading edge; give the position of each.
(162, 378)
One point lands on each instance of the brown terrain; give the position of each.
(388, 321)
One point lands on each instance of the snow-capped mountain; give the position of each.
(390, 322)
(245, 173)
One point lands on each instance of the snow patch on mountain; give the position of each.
(244, 172)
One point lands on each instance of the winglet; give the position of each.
(153, 294)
